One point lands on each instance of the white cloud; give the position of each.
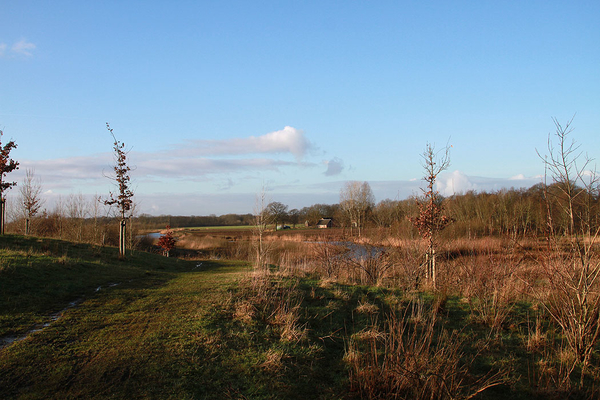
(335, 166)
(2, 49)
(193, 164)
(457, 182)
(288, 140)
(454, 183)
(23, 47)
(147, 165)
(195, 203)
(69, 168)
(73, 173)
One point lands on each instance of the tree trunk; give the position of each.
(122, 238)
(433, 267)
(2, 209)
(27, 226)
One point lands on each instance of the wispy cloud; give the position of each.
(288, 140)
(148, 165)
(20, 48)
(237, 159)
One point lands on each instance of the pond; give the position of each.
(152, 236)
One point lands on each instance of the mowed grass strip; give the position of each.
(166, 331)
(40, 277)
(140, 339)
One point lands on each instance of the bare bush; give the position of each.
(414, 359)
(327, 258)
(572, 261)
(573, 301)
(407, 264)
(370, 264)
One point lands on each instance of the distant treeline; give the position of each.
(146, 221)
(507, 211)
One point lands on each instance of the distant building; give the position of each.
(325, 223)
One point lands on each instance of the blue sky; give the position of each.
(219, 99)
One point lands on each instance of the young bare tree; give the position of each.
(573, 298)
(561, 163)
(262, 219)
(31, 197)
(123, 200)
(431, 219)
(7, 165)
(356, 199)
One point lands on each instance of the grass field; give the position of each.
(220, 228)
(157, 328)
(90, 325)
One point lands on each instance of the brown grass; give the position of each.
(411, 357)
(272, 301)
(491, 275)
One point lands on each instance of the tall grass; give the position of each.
(412, 357)
(275, 302)
(494, 278)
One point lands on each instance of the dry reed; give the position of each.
(412, 358)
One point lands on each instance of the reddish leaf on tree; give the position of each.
(7, 165)
(167, 241)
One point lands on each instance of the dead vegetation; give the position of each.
(413, 357)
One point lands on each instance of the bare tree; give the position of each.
(7, 165)
(31, 200)
(573, 299)
(77, 210)
(386, 213)
(123, 200)
(262, 219)
(431, 219)
(99, 233)
(356, 199)
(561, 163)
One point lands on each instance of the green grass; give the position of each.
(165, 331)
(172, 330)
(239, 227)
(220, 228)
